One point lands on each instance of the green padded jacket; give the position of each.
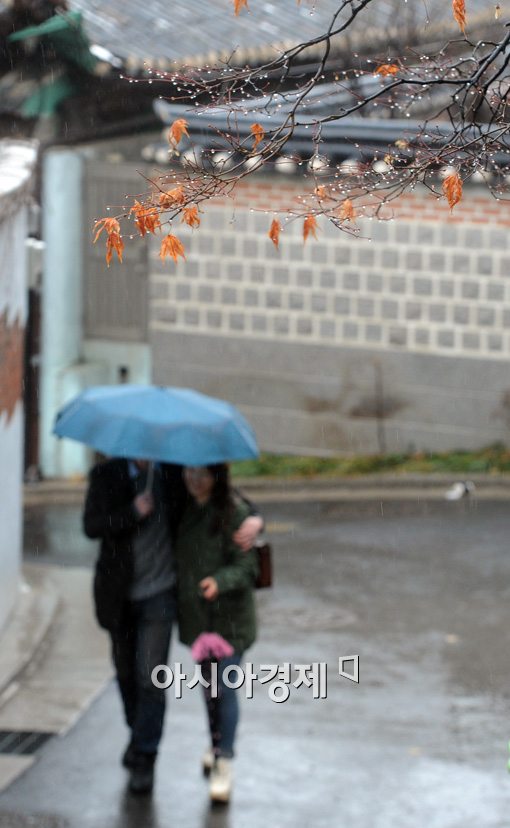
(198, 554)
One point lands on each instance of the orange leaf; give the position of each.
(177, 130)
(387, 69)
(258, 134)
(172, 198)
(190, 216)
(274, 232)
(110, 225)
(146, 218)
(113, 241)
(171, 246)
(452, 188)
(239, 4)
(347, 211)
(321, 192)
(459, 13)
(310, 226)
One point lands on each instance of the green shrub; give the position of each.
(495, 459)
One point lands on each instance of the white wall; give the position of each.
(11, 436)
(16, 162)
(69, 364)
(61, 322)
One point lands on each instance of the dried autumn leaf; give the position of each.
(177, 130)
(459, 13)
(258, 134)
(151, 220)
(321, 191)
(401, 143)
(109, 225)
(274, 232)
(239, 4)
(310, 226)
(171, 246)
(190, 216)
(113, 241)
(347, 211)
(452, 188)
(172, 198)
(146, 218)
(386, 69)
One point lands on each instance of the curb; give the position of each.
(58, 490)
(375, 481)
(383, 487)
(27, 626)
(380, 486)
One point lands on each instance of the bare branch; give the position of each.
(367, 125)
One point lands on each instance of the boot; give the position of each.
(220, 780)
(141, 780)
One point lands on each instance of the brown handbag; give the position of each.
(264, 553)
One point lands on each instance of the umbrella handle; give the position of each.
(150, 478)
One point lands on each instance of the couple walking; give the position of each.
(175, 546)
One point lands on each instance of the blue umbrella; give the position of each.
(174, 425)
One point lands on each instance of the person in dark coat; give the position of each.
(135, 511)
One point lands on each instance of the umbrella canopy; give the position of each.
(173, 425)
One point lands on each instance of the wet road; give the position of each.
(421, 591)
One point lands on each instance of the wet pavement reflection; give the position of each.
(420, 590)
(52, 534)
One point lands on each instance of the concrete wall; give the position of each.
(392, 340)
(16, 162)
(77, 288)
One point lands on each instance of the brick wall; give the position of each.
(426, 284)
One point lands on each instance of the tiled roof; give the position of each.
(198, 31)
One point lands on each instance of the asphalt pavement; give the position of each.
(418, 589)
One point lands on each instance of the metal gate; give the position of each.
(115, 299)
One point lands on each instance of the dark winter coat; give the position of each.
(109, 515)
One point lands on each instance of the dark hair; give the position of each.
(221, 497)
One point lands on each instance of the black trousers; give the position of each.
(139, 643)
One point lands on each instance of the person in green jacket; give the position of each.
(216, 581)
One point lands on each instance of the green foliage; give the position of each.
(493, 459)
